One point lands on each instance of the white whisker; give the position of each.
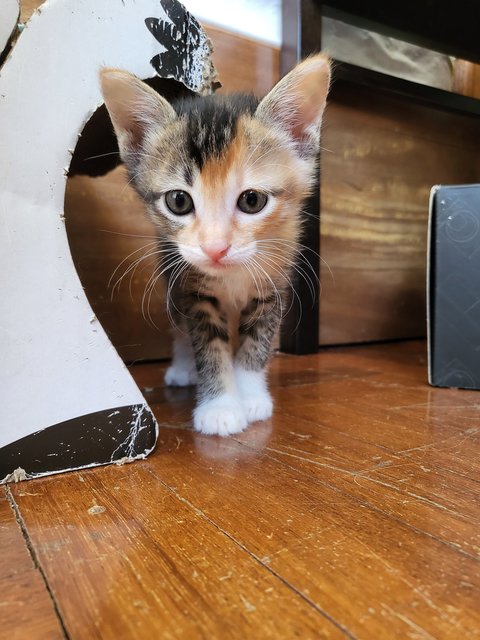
(103, 155)
(301, 272)
(143, 248)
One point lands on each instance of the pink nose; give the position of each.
(216, 250)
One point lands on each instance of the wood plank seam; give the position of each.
(34, 557)
(264, 565)
(364, 503)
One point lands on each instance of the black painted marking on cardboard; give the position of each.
(97, 438)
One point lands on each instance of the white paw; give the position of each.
(221, 416)
(258, 406)
(176, 376)
(254, 394)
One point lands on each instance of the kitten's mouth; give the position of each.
(219, 266)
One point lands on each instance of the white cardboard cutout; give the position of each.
(56, 360)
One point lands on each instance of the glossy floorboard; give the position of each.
(353, 513)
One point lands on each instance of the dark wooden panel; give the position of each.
(461, 101)
(466, 78)
(301, 36)
(380, 159)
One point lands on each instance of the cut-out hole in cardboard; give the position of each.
(113, 243)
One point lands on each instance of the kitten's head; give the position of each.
(223, 177)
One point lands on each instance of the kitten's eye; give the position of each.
(252, 201)
(179, 202)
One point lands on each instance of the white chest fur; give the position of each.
(236, 289)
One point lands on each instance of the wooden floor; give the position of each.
(353, 513)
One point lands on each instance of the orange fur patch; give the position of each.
(215, 170)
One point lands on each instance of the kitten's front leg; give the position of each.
(219, 410)
(182, 372)
(258, 324)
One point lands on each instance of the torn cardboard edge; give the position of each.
(9, 17)
(20, 475)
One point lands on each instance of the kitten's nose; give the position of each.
(216, 250)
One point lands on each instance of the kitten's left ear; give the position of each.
(134, 108)
(297, 102)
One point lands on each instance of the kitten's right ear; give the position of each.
(134, 108)
(295, 105)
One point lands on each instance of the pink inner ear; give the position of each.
(135, 132)
(305, 116)
(305, 113)
(297, 131)
(310, 95)
(297, 102)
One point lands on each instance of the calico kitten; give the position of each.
(223, 179)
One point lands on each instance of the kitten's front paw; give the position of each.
(258, 406)
(221, 416)
(256, 400)
(176, 376)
